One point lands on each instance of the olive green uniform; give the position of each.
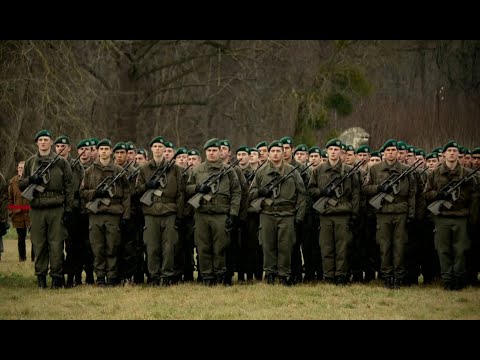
(210, 217)
(451, 237)
(160, 234)
(392, 220)
(335, 234)
(3, 208)
(277, 221)
(48, 232)
(105, 224)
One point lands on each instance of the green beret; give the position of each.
(401, 145)
(315, 149)
(83, 143)
(324, 154)
(93, 141)
(261, 144)
(168, 144)
(43, 133)
(461, 150)
(476, 151)
(243, 148)
(225, 142)
(438, 150)
(410, 149)
(120, 146)
(212, 143)
(193, 152)
(130, 145)
(157, 139)
(343, 147)
(253, 149)
(333, 142)
(349, 148)
(181, 151)
(432, 155)
(375, 154)
(142, 151)
(450, 144)
(468, 151)
(363, 149)
(275, 143)
(301, 147)
(63, 139)
(104, 142)
(420, 152)
(287, 140)
(389, 143)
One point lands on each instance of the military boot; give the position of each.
(101, 281)
(90, 279)
(78, 279)
(57, 282)
(42, 281)
(69, 283)
(285, 281)
(271, 279)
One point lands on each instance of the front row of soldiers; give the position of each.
(231, 210)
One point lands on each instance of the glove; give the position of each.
(231, 222)
(264, 192)
(99, 193)
(4, 226)
(152, 184)
(203, 189)
(328, 192)
(385, 188)
(35, 179)
(443, 195)
(67, 218)
(353, 222)
(123, 225)
(410, 224)
(178, 223)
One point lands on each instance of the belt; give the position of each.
(164, 199)
(48, 194)
(279, 208)
(216, 201)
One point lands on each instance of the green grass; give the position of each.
(20, 299)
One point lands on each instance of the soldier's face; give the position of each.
(213, 154)
(287, 151)
(334, 153)
(374, 160)
(475, 161)
(20, 168)
(140, 159)
(467, 160)
(315, 159)
(276, 154)
(401, 154)
(182, 160)
(131, 154)
(410, 158)
(432, 164)
(157, 149)
(301, 156)
(62, 148)
(254, 157)
(194, 160)
(224, 152)
(350, 158)
(104, 152)
(451, 155)
(120, 157)
(363, 156)
(343, 155)
(44, 143)
(263, 153)
(391, 153)
(94, 152)
(86, 153)
(243, 158)
(169, 154)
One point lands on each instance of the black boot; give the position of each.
(78, 279)
(57, 282)
(90, 279)
(100, 281)
(69, 283)
(271, 279)
(42, 281)
(285, 281)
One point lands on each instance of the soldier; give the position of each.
(312, 256)
(131, 152)
(19, 208)
(451, 237)
(284, 211)
(254, 158)
(141, 157)
(467, 161)
(94, 148)
(392, 217)
(194, 158)
(181, 157)
(84, 150)
(350, 157)
(375, 158)
(4, 226)
(401, 151)
(51, 212)
(473, 261)
(262, 147)
(169, 151)
(109, 221)
(301, 154)
(337, 222)
(215, 217)
(164, 216)
(73, 244)
(476, 158)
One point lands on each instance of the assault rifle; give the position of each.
(186, 169)
(75, 162)
(393, 181)
(147, 197)
(42, 172)
(450, 188)
(105, 186)
(334, 185)
(274, 186)
(211, 181)
(252, 175)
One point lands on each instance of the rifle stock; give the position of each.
(93, 205)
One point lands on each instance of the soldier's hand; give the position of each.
(328, 192)
(231, 222)
(178, 223)
(265, 192)
(67, 218)
(99, 193)
(442, 195)
(123, 225)
(152, 184)
(35, 179)
(202, 189)
(385, 188)
(353, 222)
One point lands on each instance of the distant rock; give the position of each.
(355, 136)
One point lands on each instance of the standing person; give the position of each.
(262, 147)
(194, 158)
(51, 212)
(141, 157)
(451, 235)
(392, 218)
(163, 217)
(19, 208)
(217, 214)
(131, 152)
(3, 211)
(93, 148)
(280, 215)
(108, 222)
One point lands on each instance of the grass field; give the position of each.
(20, 299)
